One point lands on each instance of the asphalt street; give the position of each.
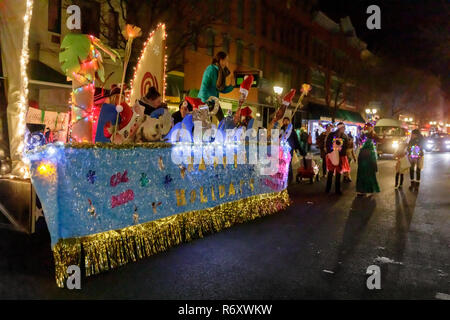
(319, 248)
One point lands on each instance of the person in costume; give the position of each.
(293, 142)
(366, 180)
(214, 78)
(151, 101)
(350, 155)
(337, 162)
(402, 164)
(415, 156)
(234, 121)
(369, 133)
(246, 118)
(320, 141)
(183, 109)
(303, 141)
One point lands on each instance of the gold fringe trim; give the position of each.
(112, 249)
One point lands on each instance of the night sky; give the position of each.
(414, 32)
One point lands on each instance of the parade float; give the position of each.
(112, 202)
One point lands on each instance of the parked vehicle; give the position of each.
(390, 133)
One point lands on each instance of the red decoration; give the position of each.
(148, 80)
(118, 178)
(122, 198)
(246, 84)
(194, 102)
(288, 97)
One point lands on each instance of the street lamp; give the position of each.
(278, 90)
(371, 113)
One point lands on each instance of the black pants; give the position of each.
(290, 175)
(411, 172)
(397, 176)
(337, 182)
(324, 166)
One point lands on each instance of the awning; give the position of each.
(40, 73)
(350, 116)
(317, 111)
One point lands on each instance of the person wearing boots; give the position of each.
(336, 141)
(415, 156)
(320, 141)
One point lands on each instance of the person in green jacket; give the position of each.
(214, 78)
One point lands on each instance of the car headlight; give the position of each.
(447, 142)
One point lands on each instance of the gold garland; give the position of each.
(112, 249)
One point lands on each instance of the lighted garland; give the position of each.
(24, 87)
(144, 48)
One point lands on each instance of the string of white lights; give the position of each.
(23, 98)
(141, 58)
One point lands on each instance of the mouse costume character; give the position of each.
(336, 158)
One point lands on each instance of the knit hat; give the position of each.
(246, 112)
(194, 102)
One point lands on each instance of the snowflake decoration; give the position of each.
(144, 179)
(156, 50)
(91, 176)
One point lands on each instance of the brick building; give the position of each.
(290, 43)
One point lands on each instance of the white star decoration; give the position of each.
(156, 50)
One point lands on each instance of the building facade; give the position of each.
(289, 43)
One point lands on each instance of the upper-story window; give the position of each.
(90, 17)
(240, 14)
(253, 8)
(264, 25)
(226, 43)
(262, 59)
(274, 33)
(226, 11)
(210, 42)
(54, 16)
(194, 39)
(251, 56)
(239, 51)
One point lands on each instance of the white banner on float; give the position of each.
(150, 67)
(57, 122)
